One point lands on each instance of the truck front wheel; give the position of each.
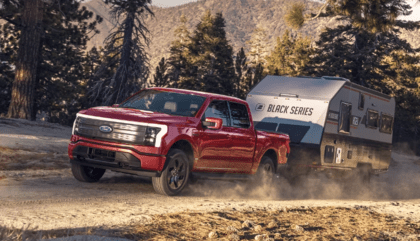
(86, 174)
(175, 174)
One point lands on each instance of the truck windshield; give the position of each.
(165, 102)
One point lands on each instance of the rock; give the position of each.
(356, 238)
(258, 228)
(277, 236)
(261, 237)
(232, 229)
(234, 237)
(248, 224)
(213, 234)
(297, 228)
(272, 224)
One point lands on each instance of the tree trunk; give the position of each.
(122, 71)
(24, 84)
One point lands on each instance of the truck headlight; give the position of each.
(76, 126)
(150, 136)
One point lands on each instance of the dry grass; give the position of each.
(325, 223)
(295, 224)
(18, 159)
(29, 234)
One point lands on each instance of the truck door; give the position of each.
(215, 144)
(243, 139)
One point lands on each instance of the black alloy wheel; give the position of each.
(177, 170)
(87, 174)
(175, 174)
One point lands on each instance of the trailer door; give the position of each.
(345, 118)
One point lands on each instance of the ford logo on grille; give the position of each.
(106, 129)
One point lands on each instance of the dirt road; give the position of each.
(53, 199)
(50, 198)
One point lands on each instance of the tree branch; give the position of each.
(12, 21)
(319, 12)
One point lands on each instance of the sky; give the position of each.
(170, 3)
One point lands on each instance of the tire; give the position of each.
(364, 175)
(175, 175)
(86, 174)
(266, 171)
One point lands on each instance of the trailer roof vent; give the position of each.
(289, 95)
(334, 78)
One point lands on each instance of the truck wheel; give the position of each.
(175, 174)
(86, 174)
(266, 170)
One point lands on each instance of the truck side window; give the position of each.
(387, 122)
(361, 101)
(239, 114)
(218, 109)
(345, 114)
(372, 119)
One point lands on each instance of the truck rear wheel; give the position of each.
(175, 174)
(266, 172)
(86, 174)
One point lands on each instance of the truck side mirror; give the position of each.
(115, 105)
(213, 123)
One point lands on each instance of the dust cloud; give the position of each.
(401, 182)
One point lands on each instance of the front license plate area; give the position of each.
(101, 155)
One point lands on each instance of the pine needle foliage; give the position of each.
(161, 76)
(203, 60)
(65, 30)
(179, 66)
(126, 48)
(368, 50)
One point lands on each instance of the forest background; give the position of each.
(101, 51)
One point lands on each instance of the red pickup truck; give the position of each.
(174, 135)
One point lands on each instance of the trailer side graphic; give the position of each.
(332, 123)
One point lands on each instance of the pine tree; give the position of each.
(210, 58)
(278, 62)
(242, 74)
(179, 67)
(131, 57)
(21, 104)
(161, 76)
(290, 55)
(6, 82)
(365, 50)
(65, 30)
(258, 48)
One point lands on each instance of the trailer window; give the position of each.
(361, 101)
(239, 114)
(265, 126)
(345, 114)
(218, 109)
(387, 122)
(372, 119)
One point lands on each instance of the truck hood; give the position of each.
(133, 115)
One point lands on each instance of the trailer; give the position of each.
(334, 125)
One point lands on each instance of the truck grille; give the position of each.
(120, 132)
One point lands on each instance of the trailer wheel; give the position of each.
(175, 174)
(266, 171)
(364, 174)
(86, 174)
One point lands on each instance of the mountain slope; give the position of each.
(242, 17)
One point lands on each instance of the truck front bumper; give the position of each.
(116, 157)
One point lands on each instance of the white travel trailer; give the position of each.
(334, 125)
